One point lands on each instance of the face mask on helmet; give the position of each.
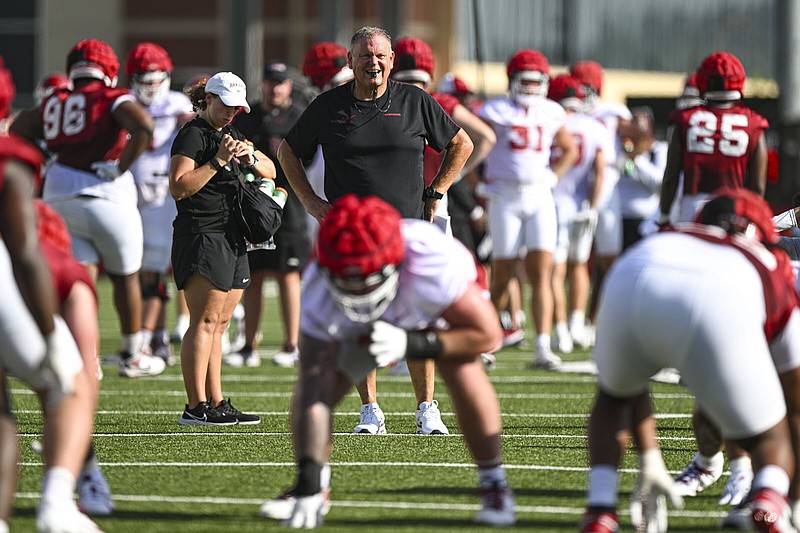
(150, 87)
(364, 299)
(528, 86)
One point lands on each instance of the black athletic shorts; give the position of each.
(219, 257)
(292, 250)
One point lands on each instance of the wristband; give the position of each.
(423, 345)
(215, 164)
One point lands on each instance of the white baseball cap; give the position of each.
(230, 88)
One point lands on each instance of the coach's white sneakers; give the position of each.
(497, 506)
(372, 420)
(429, 419)
(63, 518)
(94, 494)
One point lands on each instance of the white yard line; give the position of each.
(426, 506)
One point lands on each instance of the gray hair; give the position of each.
(366, 32)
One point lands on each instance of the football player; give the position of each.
(577, 197)
(36, 346)
(375, 281)
(149, 69)
(670, 287)
(617, 119)
(96, 132)
(720, 143)
(518, 188)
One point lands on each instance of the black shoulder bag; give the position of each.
(259, 216)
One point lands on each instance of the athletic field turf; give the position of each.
(172, 479)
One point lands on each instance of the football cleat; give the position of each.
(63, 518)
(545, 359)
(372, 420)
(287, 358)
(308, 512)
(141, 365)
(497, 506)
(429, 419)
(694, 479)
(94, 494)
(771, 512)
(281, 507)
(599, 522)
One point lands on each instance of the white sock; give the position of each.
(715, 462)
(772, 477)
(58, 485)
(182, 322)
(3, 526)
(132, 343)
(543, 340)
(147, 337)
(577, 318)
(489, 475)
(325, 476)
(741, 464)
(603, 481)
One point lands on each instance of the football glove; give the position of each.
(62, 362)
(107, 170)
(308, 512)
(388, 343)
(649, 500)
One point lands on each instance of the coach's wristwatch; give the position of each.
(430, 192)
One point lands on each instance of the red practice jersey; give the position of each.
(717, 145)
(79, 127)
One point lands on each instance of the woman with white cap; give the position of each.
(209, 252)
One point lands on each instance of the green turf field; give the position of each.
(172, 479)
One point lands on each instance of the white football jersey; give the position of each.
(590, 137)
(435, 272)
(151, 168)
(524, 138)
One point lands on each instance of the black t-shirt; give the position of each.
(211, 209)
(266, 130)
(371, 150)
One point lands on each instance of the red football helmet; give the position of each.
(53, 82)
(567, 91)
(413, 60)
(590, 74)
(149, 67)
(359, 248)
(740, 211)
(690, 97)
(91, 58)
(452, 84)
(527, 66)
(721, 76)
(326, 65)
(7, 90)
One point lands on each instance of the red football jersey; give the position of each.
(17, 148)
(79, 126)
(717, 145)
(433, 159)
(777, 279)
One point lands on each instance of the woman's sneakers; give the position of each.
(224, 414)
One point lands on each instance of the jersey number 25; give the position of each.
(704, 125)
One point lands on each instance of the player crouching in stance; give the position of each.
(381, 289)
(36, 346)
(666, 303)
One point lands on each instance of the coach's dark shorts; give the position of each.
(219, 257)
(292, 250)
